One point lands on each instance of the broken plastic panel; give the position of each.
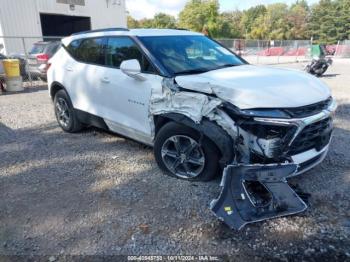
(252, 193)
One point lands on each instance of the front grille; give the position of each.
(316, 135)
(304, 111)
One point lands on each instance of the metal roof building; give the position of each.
(47, 18)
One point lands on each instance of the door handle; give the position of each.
(69, 69)
(105, 80)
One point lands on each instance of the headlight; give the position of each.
(268, 113)
(263, 112)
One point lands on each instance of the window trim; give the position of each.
(139, 48)
(104, 43)
(83, 39)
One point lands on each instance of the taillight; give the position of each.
(42, 57)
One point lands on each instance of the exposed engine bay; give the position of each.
(260, 148)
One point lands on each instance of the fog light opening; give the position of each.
(258, 194)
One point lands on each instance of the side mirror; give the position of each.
(132, 69)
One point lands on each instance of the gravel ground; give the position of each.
(96, 193)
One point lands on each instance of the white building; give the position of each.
(40, 18)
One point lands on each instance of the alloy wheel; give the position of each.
(62, 112)
(183, 156)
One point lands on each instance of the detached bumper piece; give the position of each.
(252, 193)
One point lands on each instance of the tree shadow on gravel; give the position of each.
(93, 193)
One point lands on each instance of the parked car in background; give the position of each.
(41, 52)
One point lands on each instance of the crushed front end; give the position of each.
(272, 145)
(260, 147)
(293, 135)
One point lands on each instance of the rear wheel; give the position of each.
(65, 114)
(183, 153)
(322, 71)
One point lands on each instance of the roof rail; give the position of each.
(102, 30)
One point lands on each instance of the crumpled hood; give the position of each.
(251, 86)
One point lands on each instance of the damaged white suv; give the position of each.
(197, 103)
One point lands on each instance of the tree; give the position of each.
(342, 20)
(132, 23)
(271, 24)
(298, 19)
(162, 20)
(326, 21)
(250, 16)
(229, 24)
(322, 25)
(200, 13)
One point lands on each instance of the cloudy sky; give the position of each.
(147, 8)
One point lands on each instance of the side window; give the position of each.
(90, 51)
(73, 47)
(119, 49)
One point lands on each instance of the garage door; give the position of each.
(63, 25)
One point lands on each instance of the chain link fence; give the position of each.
(33, 54)
(342, 49)
(270, 51)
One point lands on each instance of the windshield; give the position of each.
(189, 54)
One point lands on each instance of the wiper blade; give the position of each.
(191, 71)
(199, 71)
(224, 66)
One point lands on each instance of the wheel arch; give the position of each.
(210, 129)
(54, 88)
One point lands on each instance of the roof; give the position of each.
(131, 32)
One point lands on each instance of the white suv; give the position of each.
(197, 103)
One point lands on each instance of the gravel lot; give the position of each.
(96, 193)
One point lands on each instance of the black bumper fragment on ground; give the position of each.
(252, 193)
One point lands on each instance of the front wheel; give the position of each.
(183, 153)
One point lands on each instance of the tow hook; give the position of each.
(252, 193)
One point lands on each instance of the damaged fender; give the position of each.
(198, 111)
(236, 205)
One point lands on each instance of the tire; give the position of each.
(196, 154)
(65, 114)
(324, 69)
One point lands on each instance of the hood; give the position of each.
(251, 86)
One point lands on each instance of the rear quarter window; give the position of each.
(73, 47)
(88, 50)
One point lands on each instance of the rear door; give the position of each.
(82, 74)
(124, 101)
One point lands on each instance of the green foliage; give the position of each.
(198, 14)
(160, 20)
(326, 22)
(330, 21)
(251, 16)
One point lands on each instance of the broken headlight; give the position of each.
(235, 112)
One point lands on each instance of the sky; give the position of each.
(147, 8)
